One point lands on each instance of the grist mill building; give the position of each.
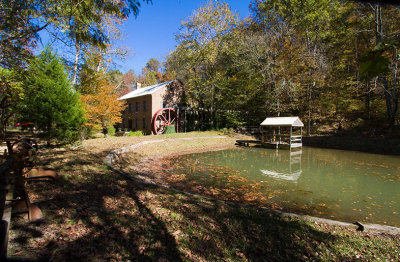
(143, 102)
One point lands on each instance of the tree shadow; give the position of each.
(81, 223)
(247, 233)
(94, 214)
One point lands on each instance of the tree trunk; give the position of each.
(378, 23)
(212, 120)
(390, 94)
(368, 101)
(75, 71)
(5, 115)
(391, 103)
(99, 62)
(105, 129)
(310, 106)
(395, 91)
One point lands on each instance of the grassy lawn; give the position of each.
(94, 214)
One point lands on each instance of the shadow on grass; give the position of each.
(216, 231)
(81, 226)
(93, 214)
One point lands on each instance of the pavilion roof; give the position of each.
(283, 121)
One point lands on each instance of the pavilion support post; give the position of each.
(273, 135)
(301, 136)
(279, 134)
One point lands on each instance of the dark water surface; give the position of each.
(344, 185)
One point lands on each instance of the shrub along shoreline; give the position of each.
(94, 214)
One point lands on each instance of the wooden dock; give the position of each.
(247, 142)
(269, 144)
(282, 145)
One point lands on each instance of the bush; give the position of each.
(228, 131)
(111, 130)
(170, 129)
(89, 132)
(233, 119)
(135, 133)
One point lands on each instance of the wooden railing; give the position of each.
(249, 130)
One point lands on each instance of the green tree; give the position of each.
(380, 62)
(18, 33)
(311, 20)
(195, 60)
(151, 74)
(330, 62)
(122, 83)
(49, 100)
(92, 24)
(10, 93)
(153, 65)
(148, 78)
(84, 22)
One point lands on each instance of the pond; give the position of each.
(343, 185)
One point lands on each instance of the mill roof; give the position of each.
(283, 121)
(147, 90)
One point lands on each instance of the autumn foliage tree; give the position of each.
(151, 74)
(102, 107)
(100, 97)
(77, 24)
(202, 40)
(333, 63)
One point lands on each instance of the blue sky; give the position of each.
(152, 33)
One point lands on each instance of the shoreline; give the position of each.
(95, 213)
(373, 145)
(149, 174)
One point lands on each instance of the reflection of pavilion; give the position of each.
(294, 168)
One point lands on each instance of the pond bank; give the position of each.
(153, 170)
(377, 145)
(96, 214)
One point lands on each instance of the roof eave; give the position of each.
(126, 96)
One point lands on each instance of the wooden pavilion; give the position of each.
(282, 132)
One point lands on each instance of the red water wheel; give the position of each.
(162, 118)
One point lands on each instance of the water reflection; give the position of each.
(294, 165)
(344, 185)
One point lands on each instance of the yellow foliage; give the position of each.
(103, 107)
